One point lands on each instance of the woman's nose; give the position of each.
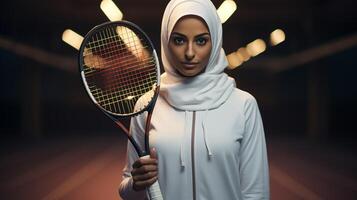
(189, 54)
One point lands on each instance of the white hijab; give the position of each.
(209, 89)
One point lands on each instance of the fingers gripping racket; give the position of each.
(121, 73)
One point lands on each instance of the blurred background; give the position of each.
(55, 144)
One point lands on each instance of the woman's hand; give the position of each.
(144, 172)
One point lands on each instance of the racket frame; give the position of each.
(115, 116)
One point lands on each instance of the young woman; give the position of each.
(207, 136)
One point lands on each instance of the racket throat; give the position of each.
(132, 141)
(121, 125)
(147, 130)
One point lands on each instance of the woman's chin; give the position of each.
(189, 72)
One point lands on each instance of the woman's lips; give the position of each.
(189, 64)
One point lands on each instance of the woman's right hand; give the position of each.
(144, 173)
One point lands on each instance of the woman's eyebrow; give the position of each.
(202, 34)
(183, 35)
(179, 34)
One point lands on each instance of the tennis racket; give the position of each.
(120, 71)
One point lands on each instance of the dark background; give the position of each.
(315, 98)
(305, 87)
(42, 95)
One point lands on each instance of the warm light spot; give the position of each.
(233, 60)
(72, 38)
(256, 47)
(243, 53)
(226, 9)
(111, 10)
(240, 56)
(132, 42)
(277, 37)
(93, 61)
(130, 97)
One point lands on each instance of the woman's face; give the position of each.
(190, 46)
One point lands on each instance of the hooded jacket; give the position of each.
(208, 135)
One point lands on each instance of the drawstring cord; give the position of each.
(205, 134)
(183, 140)
(186, 133)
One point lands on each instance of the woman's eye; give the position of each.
(178, 40)
(201, 41)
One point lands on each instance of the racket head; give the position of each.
(120, 68)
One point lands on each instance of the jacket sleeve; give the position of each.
(126, 186)
(253, 166)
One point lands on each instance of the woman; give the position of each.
(207, 136)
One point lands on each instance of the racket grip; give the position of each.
(154, 190)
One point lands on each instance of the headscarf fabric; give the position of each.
(204, 91)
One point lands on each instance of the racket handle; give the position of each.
(154, 190)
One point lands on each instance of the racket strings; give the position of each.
(121, 60)
(140, 84)
(110, 99)
(96, 48)
(123, 82)
(126, 84)
(131, 73)
(119, 69)
(109, 55)
(115, 42)
(122, 93)
(116, 62)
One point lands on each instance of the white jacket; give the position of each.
(218, 154)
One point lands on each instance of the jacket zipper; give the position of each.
(193, 155)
